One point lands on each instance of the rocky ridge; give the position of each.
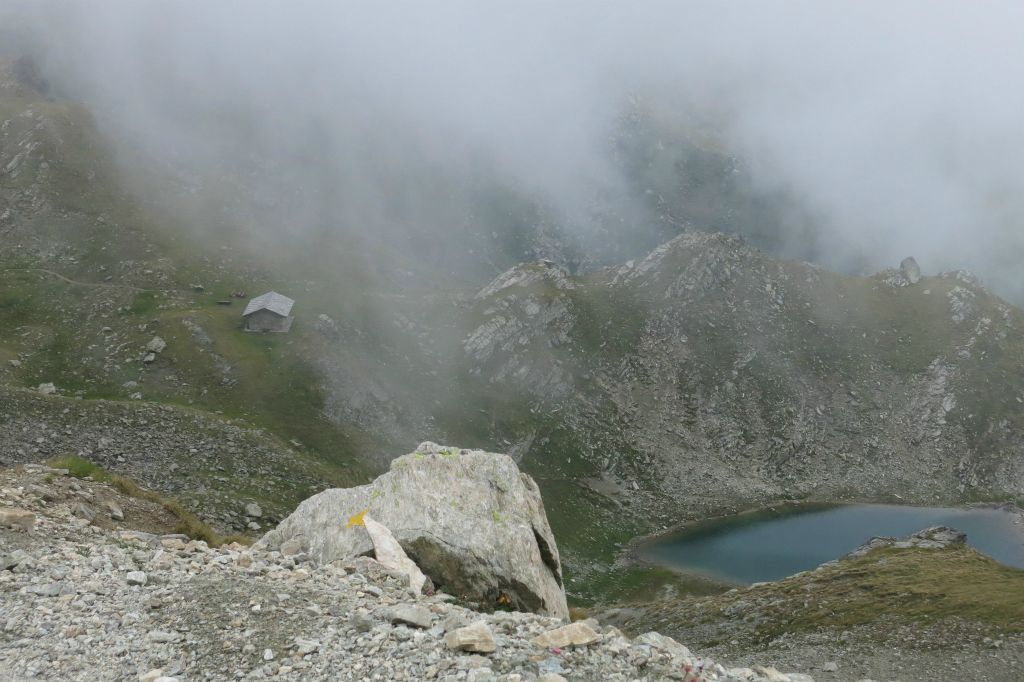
(762, 379)
(86, 602)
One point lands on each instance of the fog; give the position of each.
(893, 129)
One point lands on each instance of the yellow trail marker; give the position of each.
(356, 520)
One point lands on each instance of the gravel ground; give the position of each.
(96, 600)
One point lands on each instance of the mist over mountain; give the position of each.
(652, 259)
(858, 134)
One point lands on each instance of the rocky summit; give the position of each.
(99, 600)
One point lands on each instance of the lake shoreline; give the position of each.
(633, 553)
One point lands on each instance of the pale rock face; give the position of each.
(391, 555)
(469, 519)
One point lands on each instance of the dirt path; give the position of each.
(108, 285)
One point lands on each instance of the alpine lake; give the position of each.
(772, 544)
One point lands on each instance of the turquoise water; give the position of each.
(755, 548)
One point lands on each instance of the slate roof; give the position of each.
(272, 301)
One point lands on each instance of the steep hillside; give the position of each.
(88, 280)
(707, 377)
(700, 378)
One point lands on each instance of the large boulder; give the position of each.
(470, 519)
(910, 270)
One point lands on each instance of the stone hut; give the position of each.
(271, 312)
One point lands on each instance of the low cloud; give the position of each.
(895, 126)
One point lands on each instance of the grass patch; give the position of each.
(144, 303)
(635, 584)
(885, 589)
(919, 586)
(188, 523)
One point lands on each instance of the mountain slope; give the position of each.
(88, 278)
(703, 377)
(708, 376)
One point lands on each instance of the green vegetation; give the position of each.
(914, 585)
(619, 585)
(884, 589)
(189, 523)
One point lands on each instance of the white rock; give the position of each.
(115, 511)
(663, 643)
(17, 518)
(573, 634)
(136, 578)
(391, 555)
(474, 638)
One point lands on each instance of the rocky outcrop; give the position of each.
(469, 519)
(764, 379)
(910, 270)
(936, 537)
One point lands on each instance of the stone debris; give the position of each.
(47, 389)
(475, 638)
(86, 602)
(115, 511)
(17, 518)
(136, 578)
(574, 634)
(156, 446)
(156, 345)
(667, 644)
(411, 614)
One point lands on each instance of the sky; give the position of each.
(895, 125)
